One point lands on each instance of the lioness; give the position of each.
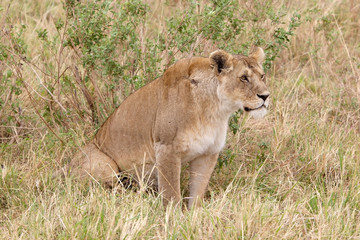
(178, 118)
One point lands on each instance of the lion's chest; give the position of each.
(203, 140)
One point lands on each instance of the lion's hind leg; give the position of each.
(91, 163)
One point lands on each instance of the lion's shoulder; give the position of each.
(185, 68)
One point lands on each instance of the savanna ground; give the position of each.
(65, 66)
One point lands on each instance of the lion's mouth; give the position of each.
(252, 109)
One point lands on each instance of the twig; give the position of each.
(5, 15)
(41, 83)
(87, 94)
(38, 113)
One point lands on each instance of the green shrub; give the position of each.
(114, 52)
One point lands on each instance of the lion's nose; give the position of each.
(263, 96)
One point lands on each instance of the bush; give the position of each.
(102, 51)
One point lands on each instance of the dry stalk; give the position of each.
(90, 100)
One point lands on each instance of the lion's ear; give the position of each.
(258, 54)
(220, 60)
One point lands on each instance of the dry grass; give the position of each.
(295, 174)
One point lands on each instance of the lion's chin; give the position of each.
(258, 113)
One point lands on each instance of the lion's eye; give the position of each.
(244, 78)
(263, 77)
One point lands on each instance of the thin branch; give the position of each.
(38, 113)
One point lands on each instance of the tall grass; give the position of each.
(293, 175)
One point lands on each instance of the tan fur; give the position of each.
(180, 117)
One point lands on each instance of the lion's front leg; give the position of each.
(200, 172)
(168, 167)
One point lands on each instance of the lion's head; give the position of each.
(242, 81)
